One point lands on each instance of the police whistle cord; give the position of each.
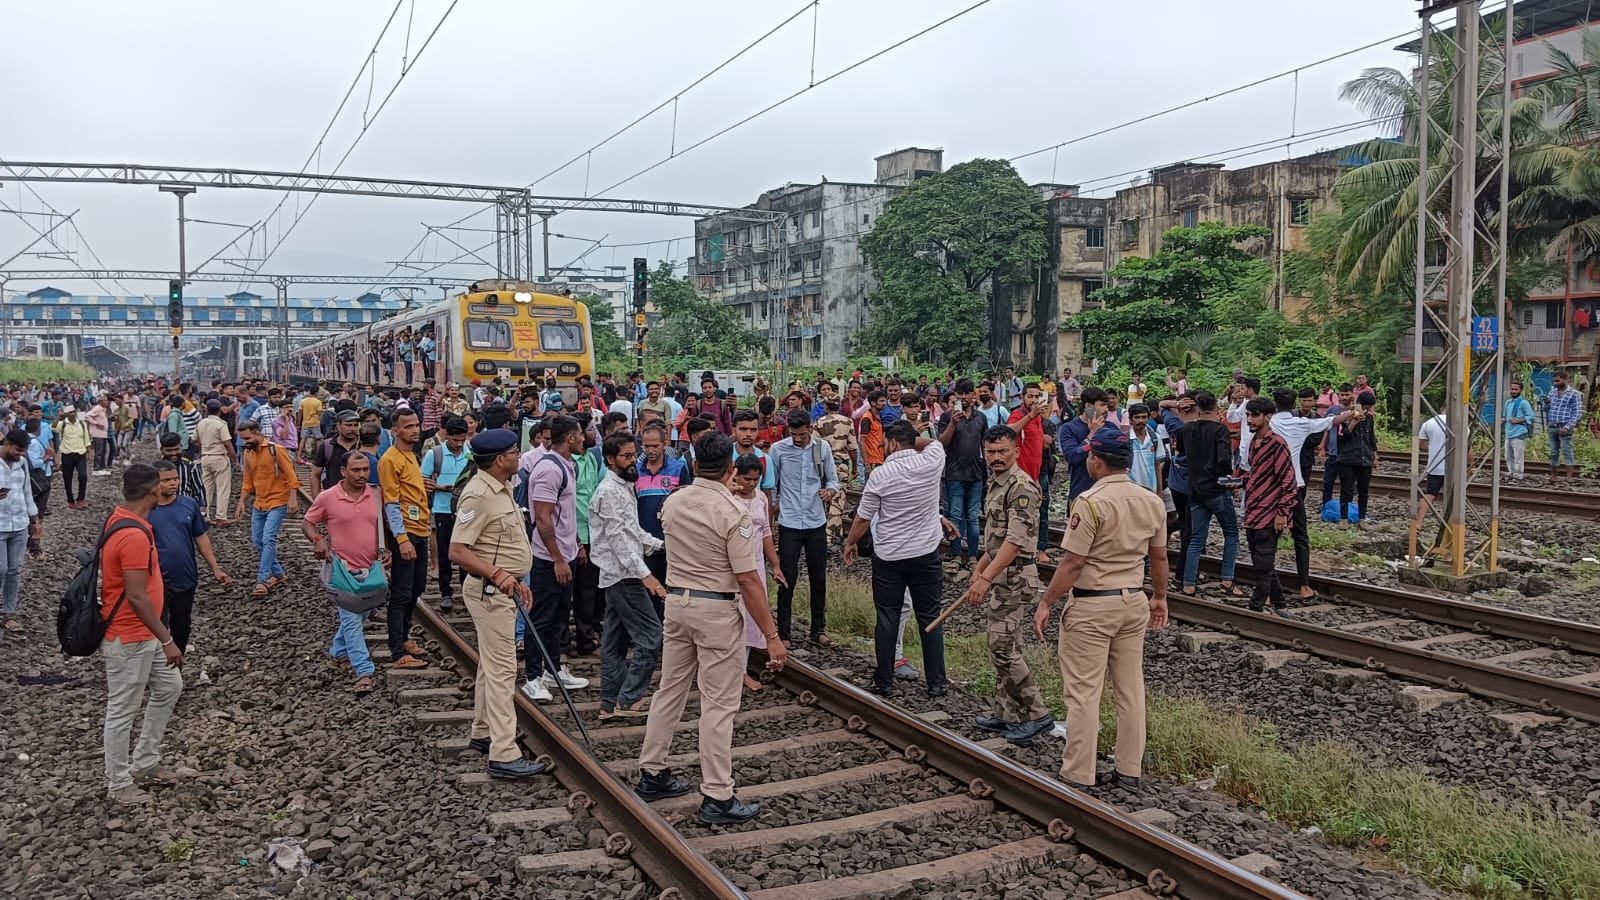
(529, 634)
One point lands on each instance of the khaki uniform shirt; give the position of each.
(488, 521)
(839, 432)
(1011, 513)
(709, 537)
(1112, 525)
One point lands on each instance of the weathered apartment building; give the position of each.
(791, 262)
(1090, 235)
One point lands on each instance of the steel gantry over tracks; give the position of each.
(1463, 132)
(515, 207)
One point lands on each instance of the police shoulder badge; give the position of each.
(744, 531)
(1073, 525)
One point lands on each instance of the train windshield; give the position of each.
(488, 334)
(560, 337)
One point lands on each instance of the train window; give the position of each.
(560, 337)
(488, 334)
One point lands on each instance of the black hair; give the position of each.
(965, 386)
(745, 415)
(1367, 399)
(1345, 386)
(713, 452)
(1252, 383)
(18, 438)
(614, 442)
(1093, 394)
(1307, 392)
(139, 481)
(797, 418)
(1138, 409)
(170, 440)
(999, 433)
(495, 415)
(162, 465)
(612, 420)
(876, 395)
(902, 432)
(1205, 401)
(697, 425)
(397, 415)
(746, 464)
(454, 425)
(1283, 398)
(1261, 406)
(561, 426)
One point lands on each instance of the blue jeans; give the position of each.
(264, 526)
(13, 544)
(965, 501)
(1200, 514)
(1560, 449)
(350, 643)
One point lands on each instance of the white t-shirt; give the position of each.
(623, 406)
(1236, 413)
(1295, 430)
(1135, 393)
(1436, 432)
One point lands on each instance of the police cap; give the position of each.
(488, 444)
(1111, 445)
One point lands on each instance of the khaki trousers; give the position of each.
(217, 473)
(494, 708)
(704, 637)
(132, 671)
(1097, 633)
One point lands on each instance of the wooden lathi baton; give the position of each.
(950, 611)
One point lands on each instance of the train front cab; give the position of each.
(518, 335)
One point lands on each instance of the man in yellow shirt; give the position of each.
(269, 476)
(406, 510)
(310, 425)
(72, 445)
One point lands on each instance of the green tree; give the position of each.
(938, 250)
(1301, 363)
(1201, 280)
(694, 332)
(609, 353)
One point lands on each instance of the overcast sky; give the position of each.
(509, 90)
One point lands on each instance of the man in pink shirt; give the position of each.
(98, 415)
(349, 515)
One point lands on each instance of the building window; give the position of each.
(865, 219)
(1527, 317)
(1130, 231)
(1092, 286)
(816, 347)
(1191, 218)
(814, 303)
(794, 265)
(1094, 238)
(1300, 210)
(744, 236)
(1555, 315)
(816, 219)
(762, 272)
(814, 265)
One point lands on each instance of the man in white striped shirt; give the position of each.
(19, 518)
(900, 503)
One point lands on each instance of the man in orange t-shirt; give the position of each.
(871, 427)
(138, 650)
(269, 477)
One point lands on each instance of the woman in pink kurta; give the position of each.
(746, 481)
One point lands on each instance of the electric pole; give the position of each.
(175, 296)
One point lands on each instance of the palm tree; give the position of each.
(1561, 214)
(1380, 242)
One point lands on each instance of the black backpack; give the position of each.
(79, 625)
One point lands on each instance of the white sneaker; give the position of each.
(536, 691)
(568, 680)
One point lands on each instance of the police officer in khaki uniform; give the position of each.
(490, 545)
(838, 432)
(710, 562)
(1010, 532)
(1115, 525)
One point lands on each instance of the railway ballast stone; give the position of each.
(1195, 641)
(1343, 678)
(1513, 724)
(1421, 698)
(1267, 660)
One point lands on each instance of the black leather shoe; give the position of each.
(731, 811)
(991, 723)
(661, 785)
(517, 768)
(1117, 779)
(481, 745)
(1024, 732)
(447, 603)
(882, 691)
(938, 690)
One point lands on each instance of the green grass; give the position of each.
(1455, 838)
(278, 815)
(178, 851)
(44, 371)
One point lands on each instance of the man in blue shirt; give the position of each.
(179, 527)
(659, 476)
(441, 466)
(746, 423)
(891, 412)
(1073, 440)
(1563, 407)
(806, 480)
(1519, 424)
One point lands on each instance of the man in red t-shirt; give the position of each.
(1026, 422)
(138, 650)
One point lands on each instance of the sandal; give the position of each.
(1233, 590)
(822, 640)
(273, 582)
(259, 592)
(13, 625)
(363, 685)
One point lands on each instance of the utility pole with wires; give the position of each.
(175, 295)
(1462, 300)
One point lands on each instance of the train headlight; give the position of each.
(524, 297)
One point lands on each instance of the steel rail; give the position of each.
(653, 845)
(1490, 621)
(1169, 863)
(1549, 695)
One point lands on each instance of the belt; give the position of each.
(702, 595)
(1109, 592)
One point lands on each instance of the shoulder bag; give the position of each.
(358, 590)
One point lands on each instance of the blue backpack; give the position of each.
(1330, 512)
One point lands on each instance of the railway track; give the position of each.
(868, 748)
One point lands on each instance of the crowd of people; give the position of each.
(639, 519)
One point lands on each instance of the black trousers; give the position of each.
(588, 606)
(1302, 539)
(41, 492)
(1330, 477)
(1180, 501)
(923, 576)
(552, 607)
(657, 564)
(1353, 481)
(444, 526)
(102, 456)
(1264, 559)
(178, 613)
(814, 541)
(75, 465)
(408, 578)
